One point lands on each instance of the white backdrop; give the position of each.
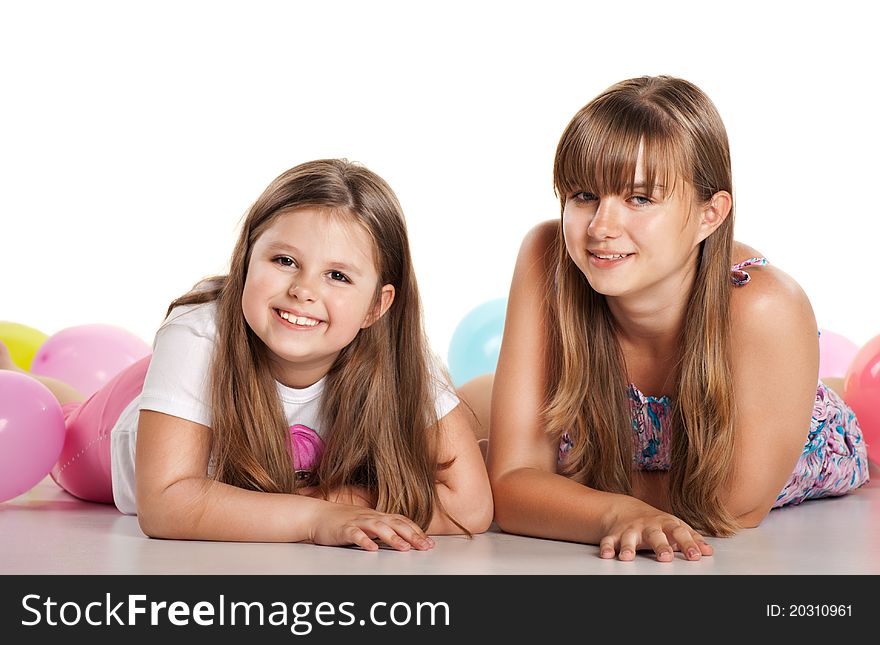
(134, 136)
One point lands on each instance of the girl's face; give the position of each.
(630, 243)
(310, 289)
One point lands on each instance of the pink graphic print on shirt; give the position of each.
(307, 447)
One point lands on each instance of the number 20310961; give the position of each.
(809, 610)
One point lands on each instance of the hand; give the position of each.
(636, 525)
(351, 495)
(342, 524)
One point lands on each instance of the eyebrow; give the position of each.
(281, 246)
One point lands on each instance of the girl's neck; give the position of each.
(654, 317)
(299, 376)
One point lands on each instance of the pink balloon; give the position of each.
(861, 391)
(836, 353)
(88, 356)
(31, 433)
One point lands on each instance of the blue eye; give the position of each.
(641, 200)
(339, 276)
(584, 196)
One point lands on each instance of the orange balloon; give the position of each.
(861, 391)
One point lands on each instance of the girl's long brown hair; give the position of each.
(377, 406)
(685, 148)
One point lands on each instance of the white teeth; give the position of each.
(298, 320)
(611, 257)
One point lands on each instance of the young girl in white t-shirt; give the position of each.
(294, 399)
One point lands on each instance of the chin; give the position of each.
(607, 288)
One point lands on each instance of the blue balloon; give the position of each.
(476, 341)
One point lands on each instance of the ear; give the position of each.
(386, 297)
(713, 213)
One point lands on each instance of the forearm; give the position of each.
(537, 503)
(652, 487)
(472, 511)
(201, 509)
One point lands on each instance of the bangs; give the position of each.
(599, 150)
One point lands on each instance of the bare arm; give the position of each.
(176, 500)
(530, 498)
(775, 361)
(463, 488)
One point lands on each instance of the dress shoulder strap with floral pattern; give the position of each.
(738, 275)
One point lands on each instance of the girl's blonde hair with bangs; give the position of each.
(684, 147)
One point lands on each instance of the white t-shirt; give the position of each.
(178, 383)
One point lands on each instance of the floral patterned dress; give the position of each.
(834, 459)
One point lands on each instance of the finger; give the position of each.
(389, 536)
(607, 547)
(413, 533)
(629, 541)
(655, 538)
(361, 539)
(684, 536)
(705, 547)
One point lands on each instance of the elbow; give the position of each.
(505, 519)
(473, 515)
(159, 521)
(477, 517)
(169, 515)
(752, 519)
(151, 522)
(166, 524)
(749, 507)
(505, 509)
(481, 518)
(749, 515)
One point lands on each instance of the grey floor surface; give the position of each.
(46, 531)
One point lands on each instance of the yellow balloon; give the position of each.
(22, 341)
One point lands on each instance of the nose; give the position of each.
(302, 289)
(606, 221)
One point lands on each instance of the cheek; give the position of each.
(256, 290)
(574, 227)
(348, 310)
(249, 306)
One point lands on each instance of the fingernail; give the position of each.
(693, 553)
(607, 553)
(665, 555)
(626, 553)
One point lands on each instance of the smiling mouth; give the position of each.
(609, 256)
(297, 321)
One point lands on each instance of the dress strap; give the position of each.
(738, 276)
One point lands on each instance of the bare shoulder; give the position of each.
(541, 241)
(772, 303)
(537, 258)
(744, 252)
